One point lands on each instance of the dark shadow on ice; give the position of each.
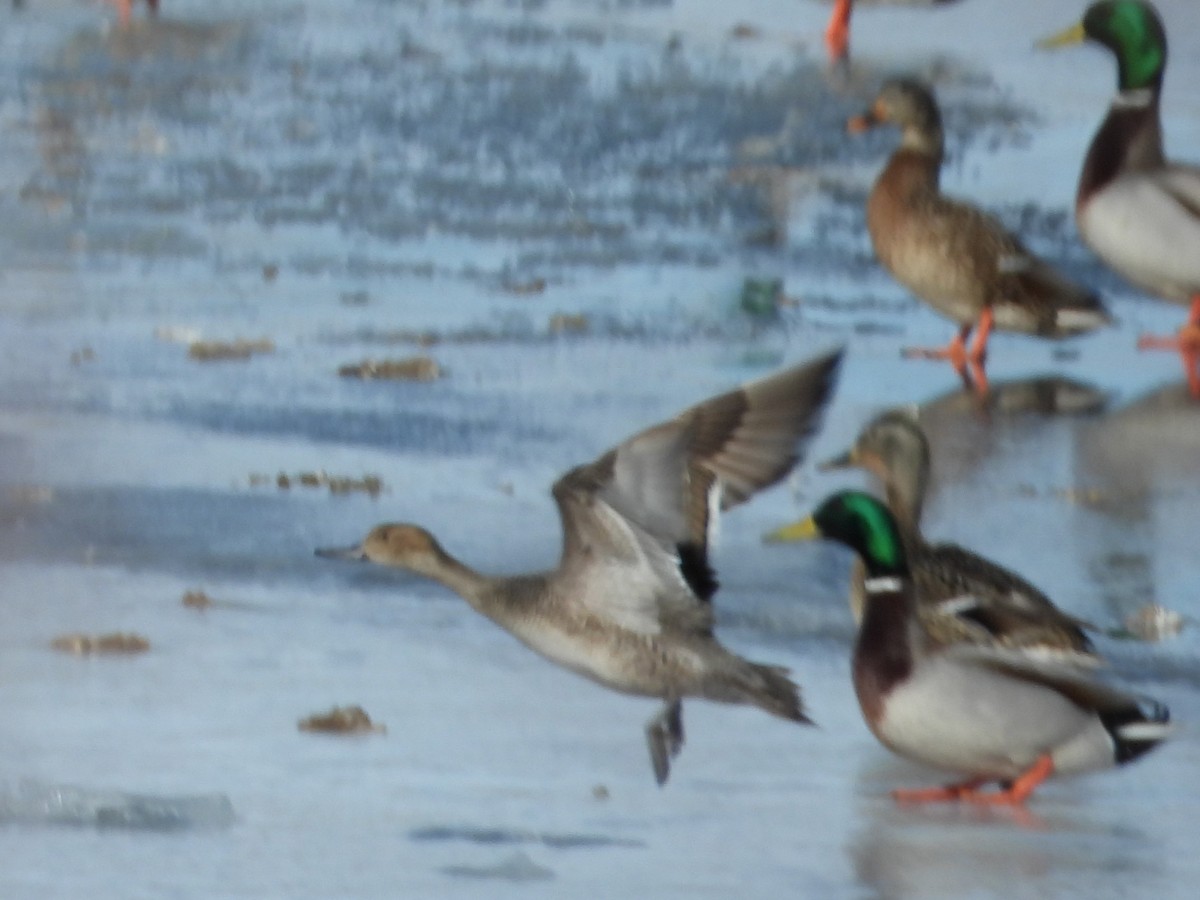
(484, 834)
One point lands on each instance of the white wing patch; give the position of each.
(716, 495)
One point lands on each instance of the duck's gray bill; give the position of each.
(352, 553)
(845, 461)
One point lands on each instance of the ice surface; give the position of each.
(377, 178)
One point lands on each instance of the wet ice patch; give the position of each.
(39, 803)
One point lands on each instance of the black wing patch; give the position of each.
(699, 575)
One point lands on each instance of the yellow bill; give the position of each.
(804, 530)
(1073, 35)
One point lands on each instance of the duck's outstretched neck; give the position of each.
(471, 585)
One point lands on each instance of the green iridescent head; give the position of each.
(1132, 30)
(859, 521)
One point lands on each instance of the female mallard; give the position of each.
(955, 257)
(992, 714)
(1137, 211)
(629, 605)
(1007, 610)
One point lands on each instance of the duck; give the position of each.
(954, 256)
(989, 714)
(1007, 610)
(629, 605)
(1138, 211)
(837, 31)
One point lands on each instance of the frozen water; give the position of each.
(561, 203)
(33, 803)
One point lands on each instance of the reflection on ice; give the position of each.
(1140, 464)
(37, 803)
(968, 852)
(1045, 395)
(518, 867)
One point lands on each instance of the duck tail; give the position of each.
(773, 691)
(1137, 729)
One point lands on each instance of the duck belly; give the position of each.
(982, 723)
(934, 278)
(1146, 234)
(618, 659)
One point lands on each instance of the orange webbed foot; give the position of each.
(947, 794)
(1022, 787)
(1186, 342)
(968, 791)
(837, 32)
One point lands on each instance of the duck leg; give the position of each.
(969, 364)
(1017, 792)
(664, 735)
(977, 355)
(1186, 342)
(837, 32)
(955, 351)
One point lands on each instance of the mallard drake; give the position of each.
(991, 714)
(837, 32)
(1007, 610)
(629, 605)
(955, 257)
(1139, 212)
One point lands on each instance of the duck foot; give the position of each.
(837, 32)
(664, 735)
(1185, 342)
(1019, 790)
(1013, 794)
(945, 794)
(968, 363)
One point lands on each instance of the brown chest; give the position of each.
(882, 654)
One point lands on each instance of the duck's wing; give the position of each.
(970, 621)
(993, 603)
(1182, 183)
(1074, 678)
(636, 522)
(1025, 292)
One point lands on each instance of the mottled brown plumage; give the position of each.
(1004, 609)
(955, 257)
